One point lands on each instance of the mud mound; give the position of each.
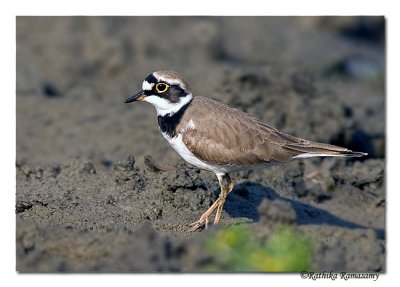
(77, 217)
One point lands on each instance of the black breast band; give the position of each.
(168, 123)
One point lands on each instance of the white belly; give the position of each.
(188, 156)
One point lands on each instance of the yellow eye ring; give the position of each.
(162, 87)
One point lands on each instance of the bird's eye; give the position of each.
(161, 87)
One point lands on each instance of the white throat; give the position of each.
(165, 107)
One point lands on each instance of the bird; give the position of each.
(215, 137)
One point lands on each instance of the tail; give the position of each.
(307, 149)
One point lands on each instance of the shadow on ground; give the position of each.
(246, 198)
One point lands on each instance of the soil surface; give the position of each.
(99, 189)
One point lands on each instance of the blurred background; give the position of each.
(320, 78)
(88, 197)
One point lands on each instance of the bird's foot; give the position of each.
(199, 223)
(204, 218)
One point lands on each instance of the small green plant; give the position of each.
(236, 249)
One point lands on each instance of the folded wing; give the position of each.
(235, 138)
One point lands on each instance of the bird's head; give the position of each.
(165, 90)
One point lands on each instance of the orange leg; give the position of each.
(224, 193)
(218, 204)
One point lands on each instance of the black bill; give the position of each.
(137, 97)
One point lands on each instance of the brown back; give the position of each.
(226, 136)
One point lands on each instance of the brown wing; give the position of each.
(230, 137)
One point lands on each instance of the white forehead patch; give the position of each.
(147, 86)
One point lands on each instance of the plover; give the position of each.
(215, 137)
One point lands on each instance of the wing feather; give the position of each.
(235, 138)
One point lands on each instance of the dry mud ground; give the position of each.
(90, 198)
